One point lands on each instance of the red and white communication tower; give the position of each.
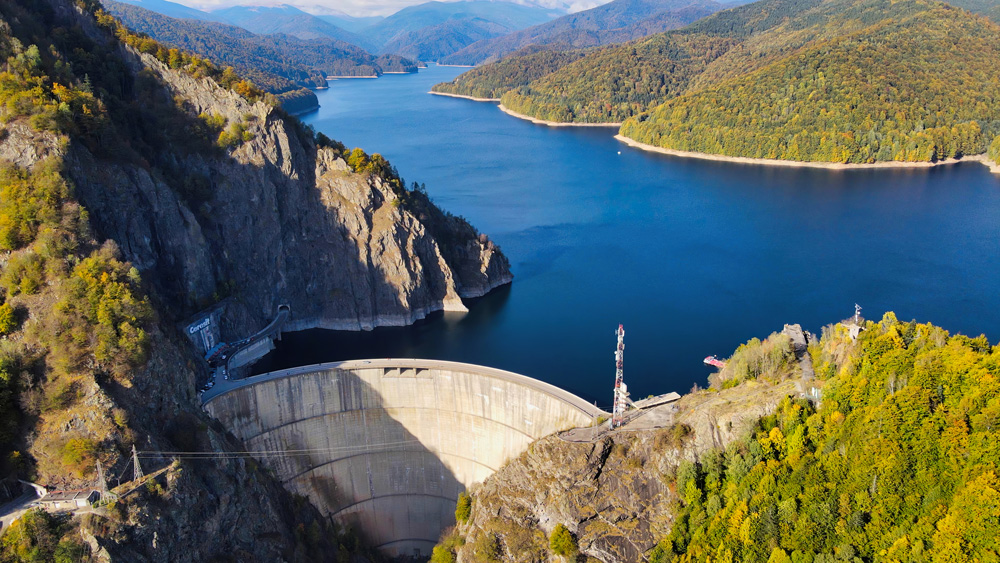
(621, 390)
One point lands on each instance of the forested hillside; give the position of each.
(613, 83)
(853, 81)
(898, 462)
(434, 42)
(433, 30)
(615, 22)
(495, 79)
(917, 90)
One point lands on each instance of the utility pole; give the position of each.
(106, 495)
(101, 482)
(621, 390)
(135, 462)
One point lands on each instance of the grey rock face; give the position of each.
(285, 222)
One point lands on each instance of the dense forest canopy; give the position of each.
(897, 462)
(853, 81)
(493, 80)
(917, 90)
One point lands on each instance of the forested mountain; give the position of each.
(840, 80)
(289, 20)
(172, 9)
(429, 14)
(494, 80)
(435, 42)
(432, 30)
(912, 90)
(615, 22)
(345, 21)
(426, 31)
(898, 462)
(277, 63)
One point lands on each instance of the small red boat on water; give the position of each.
(713, 361)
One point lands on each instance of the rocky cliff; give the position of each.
(281, 220)
(112, 159)
(616, 492)
(276, 219)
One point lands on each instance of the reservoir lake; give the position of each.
(694, 257)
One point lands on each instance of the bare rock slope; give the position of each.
(279, 219)
(615, 493)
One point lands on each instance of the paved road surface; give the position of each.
(15, 508)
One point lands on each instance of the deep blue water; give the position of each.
(694, 257)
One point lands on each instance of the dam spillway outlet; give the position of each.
(387, 445)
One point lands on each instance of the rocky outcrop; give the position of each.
(278, 220)
(616, 493)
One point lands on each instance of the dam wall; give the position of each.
(387, 445)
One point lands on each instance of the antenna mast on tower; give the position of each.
(621, 390)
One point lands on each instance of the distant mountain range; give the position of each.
(434, 30)
(288, 20)
(615, 22)
(426, 31)
(171, 9)
(278, 63)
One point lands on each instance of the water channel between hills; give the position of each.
(694, 257)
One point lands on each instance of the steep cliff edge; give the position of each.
(279, 219)
(617, 494)
(133, 192)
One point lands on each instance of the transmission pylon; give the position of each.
(135, 462)
(621, 390)
(106, 495)
(857, 314)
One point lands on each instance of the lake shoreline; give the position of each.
(473, 98)
(537, 121)
(993, 165)
(981, 158)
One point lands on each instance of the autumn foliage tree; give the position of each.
(562, 542)
(897, 463)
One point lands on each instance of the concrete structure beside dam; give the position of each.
(389, 444)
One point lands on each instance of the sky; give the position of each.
(369, 7)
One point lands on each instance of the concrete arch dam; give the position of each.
(387, 445)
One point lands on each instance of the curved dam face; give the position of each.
(387, 445)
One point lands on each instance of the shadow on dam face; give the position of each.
(387, 445)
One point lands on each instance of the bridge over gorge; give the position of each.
(389, 444)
